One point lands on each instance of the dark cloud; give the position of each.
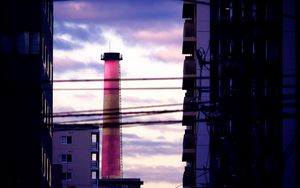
(136, 146)
(167, 174)
(63, 65)
(148, 22)
(79, 32)
(129, 13)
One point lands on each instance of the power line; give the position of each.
(125, 108)
(108, 118)
(145, 88)
(116, 113)
(120, 79)
(130, 124)
(100, 125)
(139, 79)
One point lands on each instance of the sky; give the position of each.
(149, 36)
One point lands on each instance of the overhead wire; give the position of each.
(141, 88)
(107, 118)
(123, 108)
(116, 113)
(132, 123)
(119, 79)
(138, 79)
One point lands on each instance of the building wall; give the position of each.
(81, 149)
(250, 83)
(189, 83)
(27, 96)
(246, 138)
(202, 131)
(289, 105)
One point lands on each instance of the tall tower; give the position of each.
(111, 139)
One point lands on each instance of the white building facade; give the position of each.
(76, 148)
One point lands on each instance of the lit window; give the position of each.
(23, 43)
(94, 157)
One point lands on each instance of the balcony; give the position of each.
(189, 179)
(189, 73)
(189, 146)
(188, 10)
(189, 110)
(189, 37)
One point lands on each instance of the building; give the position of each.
(195, 82)
(76, 149)
(26, 30)
(240, 104)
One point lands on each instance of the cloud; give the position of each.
(168, 174)
(138, 22)
(171, 54)
(135, 146)
(80, 32)
(120, 13)
(63, 108)
(138, 100)
(153, 35)
(90, 96)
(62, 44)
(63, 65)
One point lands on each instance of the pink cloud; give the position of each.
(157, 36)
(171, 54)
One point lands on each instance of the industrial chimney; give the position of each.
(111, 138)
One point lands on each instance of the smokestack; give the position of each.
(111, 139)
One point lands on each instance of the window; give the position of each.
(6, 44)
(94, 174)
(35, 43)
(23, 43)
(94, 138)
(66, 139)
(66, 157)
(94, 156)
(66, 176)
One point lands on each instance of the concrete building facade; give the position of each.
(76, 149)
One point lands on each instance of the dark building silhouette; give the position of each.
(120, 182)
(250, 77)
(26, 35)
